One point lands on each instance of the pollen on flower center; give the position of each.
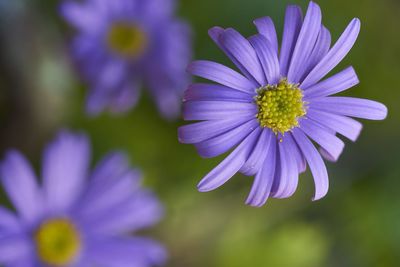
(280, 106)
(127, 39)
(57, 242)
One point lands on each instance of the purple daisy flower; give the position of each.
(74, 221)
(280, 104)
(122, 44)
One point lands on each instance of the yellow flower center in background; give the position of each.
(280, 106)
(127, 40)
(57, 242)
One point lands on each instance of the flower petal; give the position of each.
(339, 82)
(201, 131)
(109, 193)
(124, 252)
(320, 49)
(110, 167)
(305, 43)
(20, 183)
(124, 98)
(268, 58)
(298, 154)
(220, 74)
(81, 16)
(65, 167)
(350, 106)
(230, 165)
(215, 33)
(14, 247)
(214, 92)
(335, 55)
(266, 28)
(257, 156)
(222, 143)
(345, 126)
(264, 179)
(328, 141)
(8, 221)
(317, 165)
(292, 27)
(216, 110)
(141, 210)
(240, 48)
(286, 180)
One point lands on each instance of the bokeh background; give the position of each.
(356, 224)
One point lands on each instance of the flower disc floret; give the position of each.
(280, 106)
(58, 242)
(127, 40)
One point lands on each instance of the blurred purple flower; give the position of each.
(278, 103)
(123, 44)
(74, 221)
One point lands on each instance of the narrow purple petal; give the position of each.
(317, 165)
(230, 165)
(168, 100)
(285, 183)
(222, 143)
(28, 261)
(216, 110)
(65, 167)
(305, 43)
(20, 183)
(8, 221)
(291, 148)
(335, 55)
(268, 58)
(110, 193)
(339, 82)
(111, 74)
(350, 106)
(81, 16)
(326, 155)
(257, 156)
(345, 126)
(214, 92)
(124, 98)
(328, 141)
(240, 48)
(110, 167)
(264, 179)
(321, 48)
(298, 154)
(220, 74)
(201, 131)
(14, 247)
(292, 27)
(266, 27)
(215, 33)
(141, 210)
(124, 252)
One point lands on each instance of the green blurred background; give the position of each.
(356, 224)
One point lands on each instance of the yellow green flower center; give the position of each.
(127, 40)
(280, 106)
(57, 242)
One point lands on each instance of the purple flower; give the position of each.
(280, 104)
(73, 221)
(123, 44)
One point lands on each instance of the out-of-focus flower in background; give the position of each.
(121, 45)
(72, 220)
(279, 103)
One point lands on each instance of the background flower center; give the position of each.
(280, 106)
(127, 40)
(57, 242)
